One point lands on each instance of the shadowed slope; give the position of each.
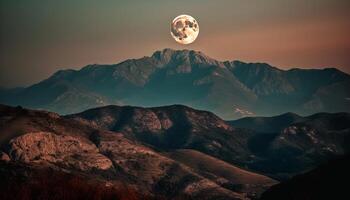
(327, 181)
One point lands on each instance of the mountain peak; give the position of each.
(164, 55)
(169, 51)
(289, 114)
(168, 55)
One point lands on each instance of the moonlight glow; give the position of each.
(184, 29)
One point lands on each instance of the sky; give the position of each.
(37, 37)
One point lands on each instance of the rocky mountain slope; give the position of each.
(171, 127)
(229, 89)
(290, 148)
(171, 152)
(34, 141)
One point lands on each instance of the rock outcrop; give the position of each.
(63, 150)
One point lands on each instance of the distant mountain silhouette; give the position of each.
(229, 89)
(267, 124)
(320, 121)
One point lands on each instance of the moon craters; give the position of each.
(184, 29)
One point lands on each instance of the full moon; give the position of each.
(184, 29)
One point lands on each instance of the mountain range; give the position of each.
(37, 143)
(168, 152)
(230, 89)
(290, 148)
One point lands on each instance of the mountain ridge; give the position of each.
(279, 147)
(231, 89)
(271, 124)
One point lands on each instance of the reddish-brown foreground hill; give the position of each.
(45, 154)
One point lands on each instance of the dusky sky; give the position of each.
(41, 37)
